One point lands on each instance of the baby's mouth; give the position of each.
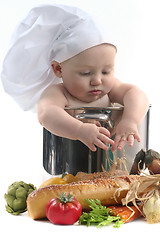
(95, 92)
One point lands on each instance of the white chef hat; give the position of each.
(49, 32)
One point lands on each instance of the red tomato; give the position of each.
(64, 210)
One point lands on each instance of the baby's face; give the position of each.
(89, 75)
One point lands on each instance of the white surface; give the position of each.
(137, 23)
(24, 227)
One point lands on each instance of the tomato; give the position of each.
(64, 210)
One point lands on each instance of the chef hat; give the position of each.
(49, 32)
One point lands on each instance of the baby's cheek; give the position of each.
(109, 85)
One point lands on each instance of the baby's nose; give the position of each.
(96, 80)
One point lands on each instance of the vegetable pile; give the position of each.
(143, 198)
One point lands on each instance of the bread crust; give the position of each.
(81, 176)
(104, 189)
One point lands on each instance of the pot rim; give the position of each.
(95, 108)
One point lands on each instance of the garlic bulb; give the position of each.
(151, 208)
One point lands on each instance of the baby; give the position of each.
(88, 80)
(63, 59)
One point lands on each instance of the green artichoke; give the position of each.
(16, 197)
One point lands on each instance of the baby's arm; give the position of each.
(54, 118)
(135, 107)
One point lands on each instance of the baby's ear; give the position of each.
(56, 66)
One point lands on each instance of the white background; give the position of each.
(136, 27)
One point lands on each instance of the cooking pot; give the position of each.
(62, 155)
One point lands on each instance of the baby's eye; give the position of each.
(105, 72)
(85, 73)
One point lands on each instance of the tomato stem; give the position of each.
(64, 198)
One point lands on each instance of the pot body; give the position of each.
(62, 155)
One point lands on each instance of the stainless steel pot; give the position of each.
(62, 155)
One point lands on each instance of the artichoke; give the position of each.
(16, 197)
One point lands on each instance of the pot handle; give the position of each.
(102, 117)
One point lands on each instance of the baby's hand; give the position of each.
(94, 135)
(126, 131)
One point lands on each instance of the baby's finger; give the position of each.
(131, 140)
(92, 147)
(137, 137)
(122, 143)
(116, 141)
(105, 139)
(101, 144)
(104, 131)
(98, 124)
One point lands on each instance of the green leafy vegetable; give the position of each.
(99, 215)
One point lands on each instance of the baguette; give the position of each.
(81, 176)
(104, 189)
